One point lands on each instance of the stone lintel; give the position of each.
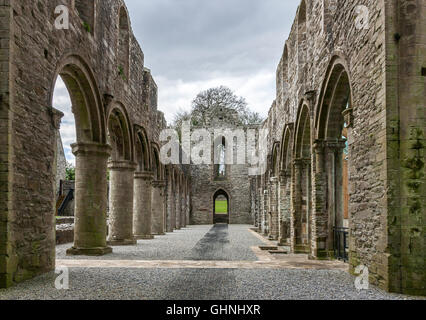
(91, 148)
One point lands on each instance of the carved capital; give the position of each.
(348, 115)
(56, 118)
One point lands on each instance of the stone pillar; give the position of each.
(182, 209)
(121, 203)
(297, 245)
(265, 208)
(171, 207)
(274, 223)
(259, 204)
(90, 199)
(178, 205)
(320, 248)
(285, 206)
(157, 204)
(334, 187)
(142, 215)
(188, 207)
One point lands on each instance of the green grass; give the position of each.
(221, 207)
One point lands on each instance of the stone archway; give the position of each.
(92, 153)
(142, 215)
(285, 184)
(332, 152)
(221, 207)
(302, 189)
(121, 174)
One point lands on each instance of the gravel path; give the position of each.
(221, 242)
(198, 243)
(196, 284)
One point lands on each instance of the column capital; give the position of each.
(159, 184)
(144, 175)
(318, 145)
(348, 115)
(301, 161)
(284, 174)
(122, 165)
(336, 144)
(91, 148)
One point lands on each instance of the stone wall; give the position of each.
(381, 64)
(102, 65)
(236, 184)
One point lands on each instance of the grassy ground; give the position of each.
(221, 207)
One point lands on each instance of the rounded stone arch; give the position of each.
(335, 97)
(221, 192)
(302, 177)
(142, 147)
(157, 167)
(123, 46)
(87, 107)
(332, 133)
(302, 136)
(119, 131)
(286, 148)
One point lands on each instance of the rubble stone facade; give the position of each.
(114, 101)
(351, 96)
(234, 184)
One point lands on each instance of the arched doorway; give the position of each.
(221, 207)
(333, 133)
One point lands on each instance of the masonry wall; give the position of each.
(28, 140)
(204, 187)
(204, 184)
(386, 133)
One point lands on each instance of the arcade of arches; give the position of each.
(345, 146)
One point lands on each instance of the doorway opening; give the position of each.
(221, 207)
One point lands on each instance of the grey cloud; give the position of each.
(192, 39)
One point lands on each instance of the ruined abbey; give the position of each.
(345, 146)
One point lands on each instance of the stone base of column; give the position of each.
(144, 237)
(301, 249)
(159, 234)
(89, 251)
(126, 242)
(323, 255)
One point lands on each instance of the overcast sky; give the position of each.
(193, 45)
